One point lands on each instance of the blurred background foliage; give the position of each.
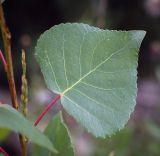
(28, 19)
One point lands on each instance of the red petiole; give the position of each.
(3, 152)
(3, 60)
(47, 108)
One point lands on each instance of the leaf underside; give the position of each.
(95, 70)
(59, 136)
(13, 120)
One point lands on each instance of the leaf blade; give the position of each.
(96, 72)
(13, 120)
(60, 138)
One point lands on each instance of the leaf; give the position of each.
(59, 136)
(13, 120)
(95, 72)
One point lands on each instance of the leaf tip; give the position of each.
(139, 35)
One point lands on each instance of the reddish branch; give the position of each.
(3, 152)
(3, 60)
(47, 108)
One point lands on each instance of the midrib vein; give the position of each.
(76, 83)
(65, 91)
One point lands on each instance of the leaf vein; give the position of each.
(99, 87)
(112, 72)
(84, 110)
(53, 73)
(108, 58)
(80, 69)
(92, 56)
(103, 105)
(64, 61)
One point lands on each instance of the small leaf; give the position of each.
(59, 136)
(13, 120)
(94, 70)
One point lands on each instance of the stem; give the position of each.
(23, 143)
(3, 60)
(7, 49)
(47, 108)
(3, 152)
(6, 36)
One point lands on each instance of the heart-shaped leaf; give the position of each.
(58, 134)
(13, 120)
(95, 72)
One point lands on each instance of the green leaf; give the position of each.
(13, 120)
(59, 136)
(95, 72)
